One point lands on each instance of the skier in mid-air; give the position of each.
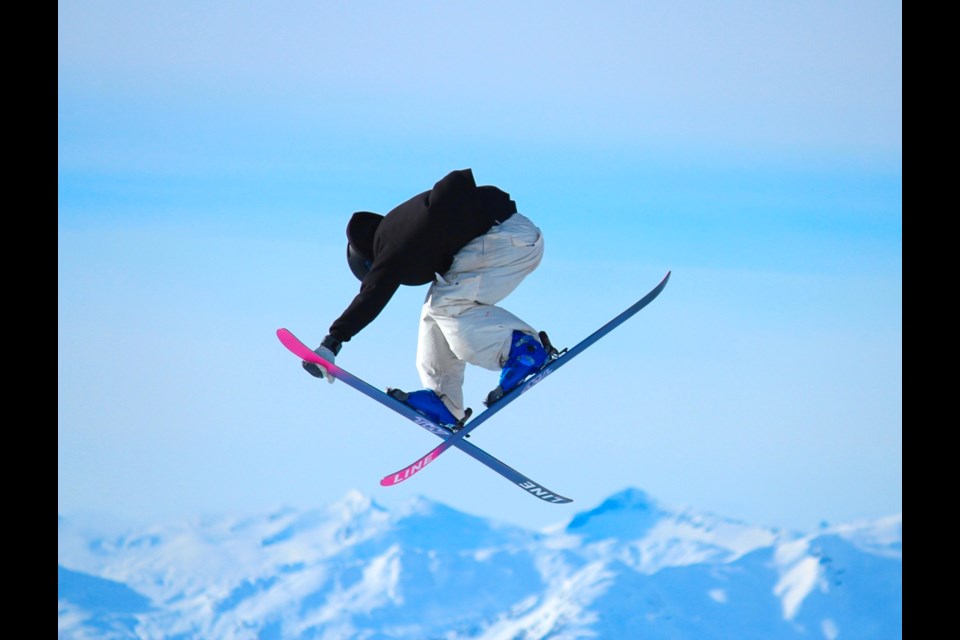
(474, 248)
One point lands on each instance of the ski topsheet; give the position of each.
(304, 352)
(451, 439)
(550, 367)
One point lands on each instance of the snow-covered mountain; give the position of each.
(629, 568)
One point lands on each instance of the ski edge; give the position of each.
(411, 469)
(299, 349)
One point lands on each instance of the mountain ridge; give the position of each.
(630, 567)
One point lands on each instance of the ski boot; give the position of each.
(527, 356)
(428, 404)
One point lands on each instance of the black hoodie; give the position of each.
(419, 238)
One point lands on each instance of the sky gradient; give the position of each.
(209, 156)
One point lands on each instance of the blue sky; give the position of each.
(209, 155)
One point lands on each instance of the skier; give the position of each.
(474, 248)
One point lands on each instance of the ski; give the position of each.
(298, 348)
(552, 365)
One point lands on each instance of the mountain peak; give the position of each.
(626, 514)
(632, 498)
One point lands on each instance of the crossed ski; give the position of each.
(305, 353)
(457, 439)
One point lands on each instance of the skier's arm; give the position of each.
(373, 297)
(375, 292)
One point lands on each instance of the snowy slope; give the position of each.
(629, 568)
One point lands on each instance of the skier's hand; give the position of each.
(327, 350)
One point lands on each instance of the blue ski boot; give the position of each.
(428, 404)
(527, 356)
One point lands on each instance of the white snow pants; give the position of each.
(460, 322)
